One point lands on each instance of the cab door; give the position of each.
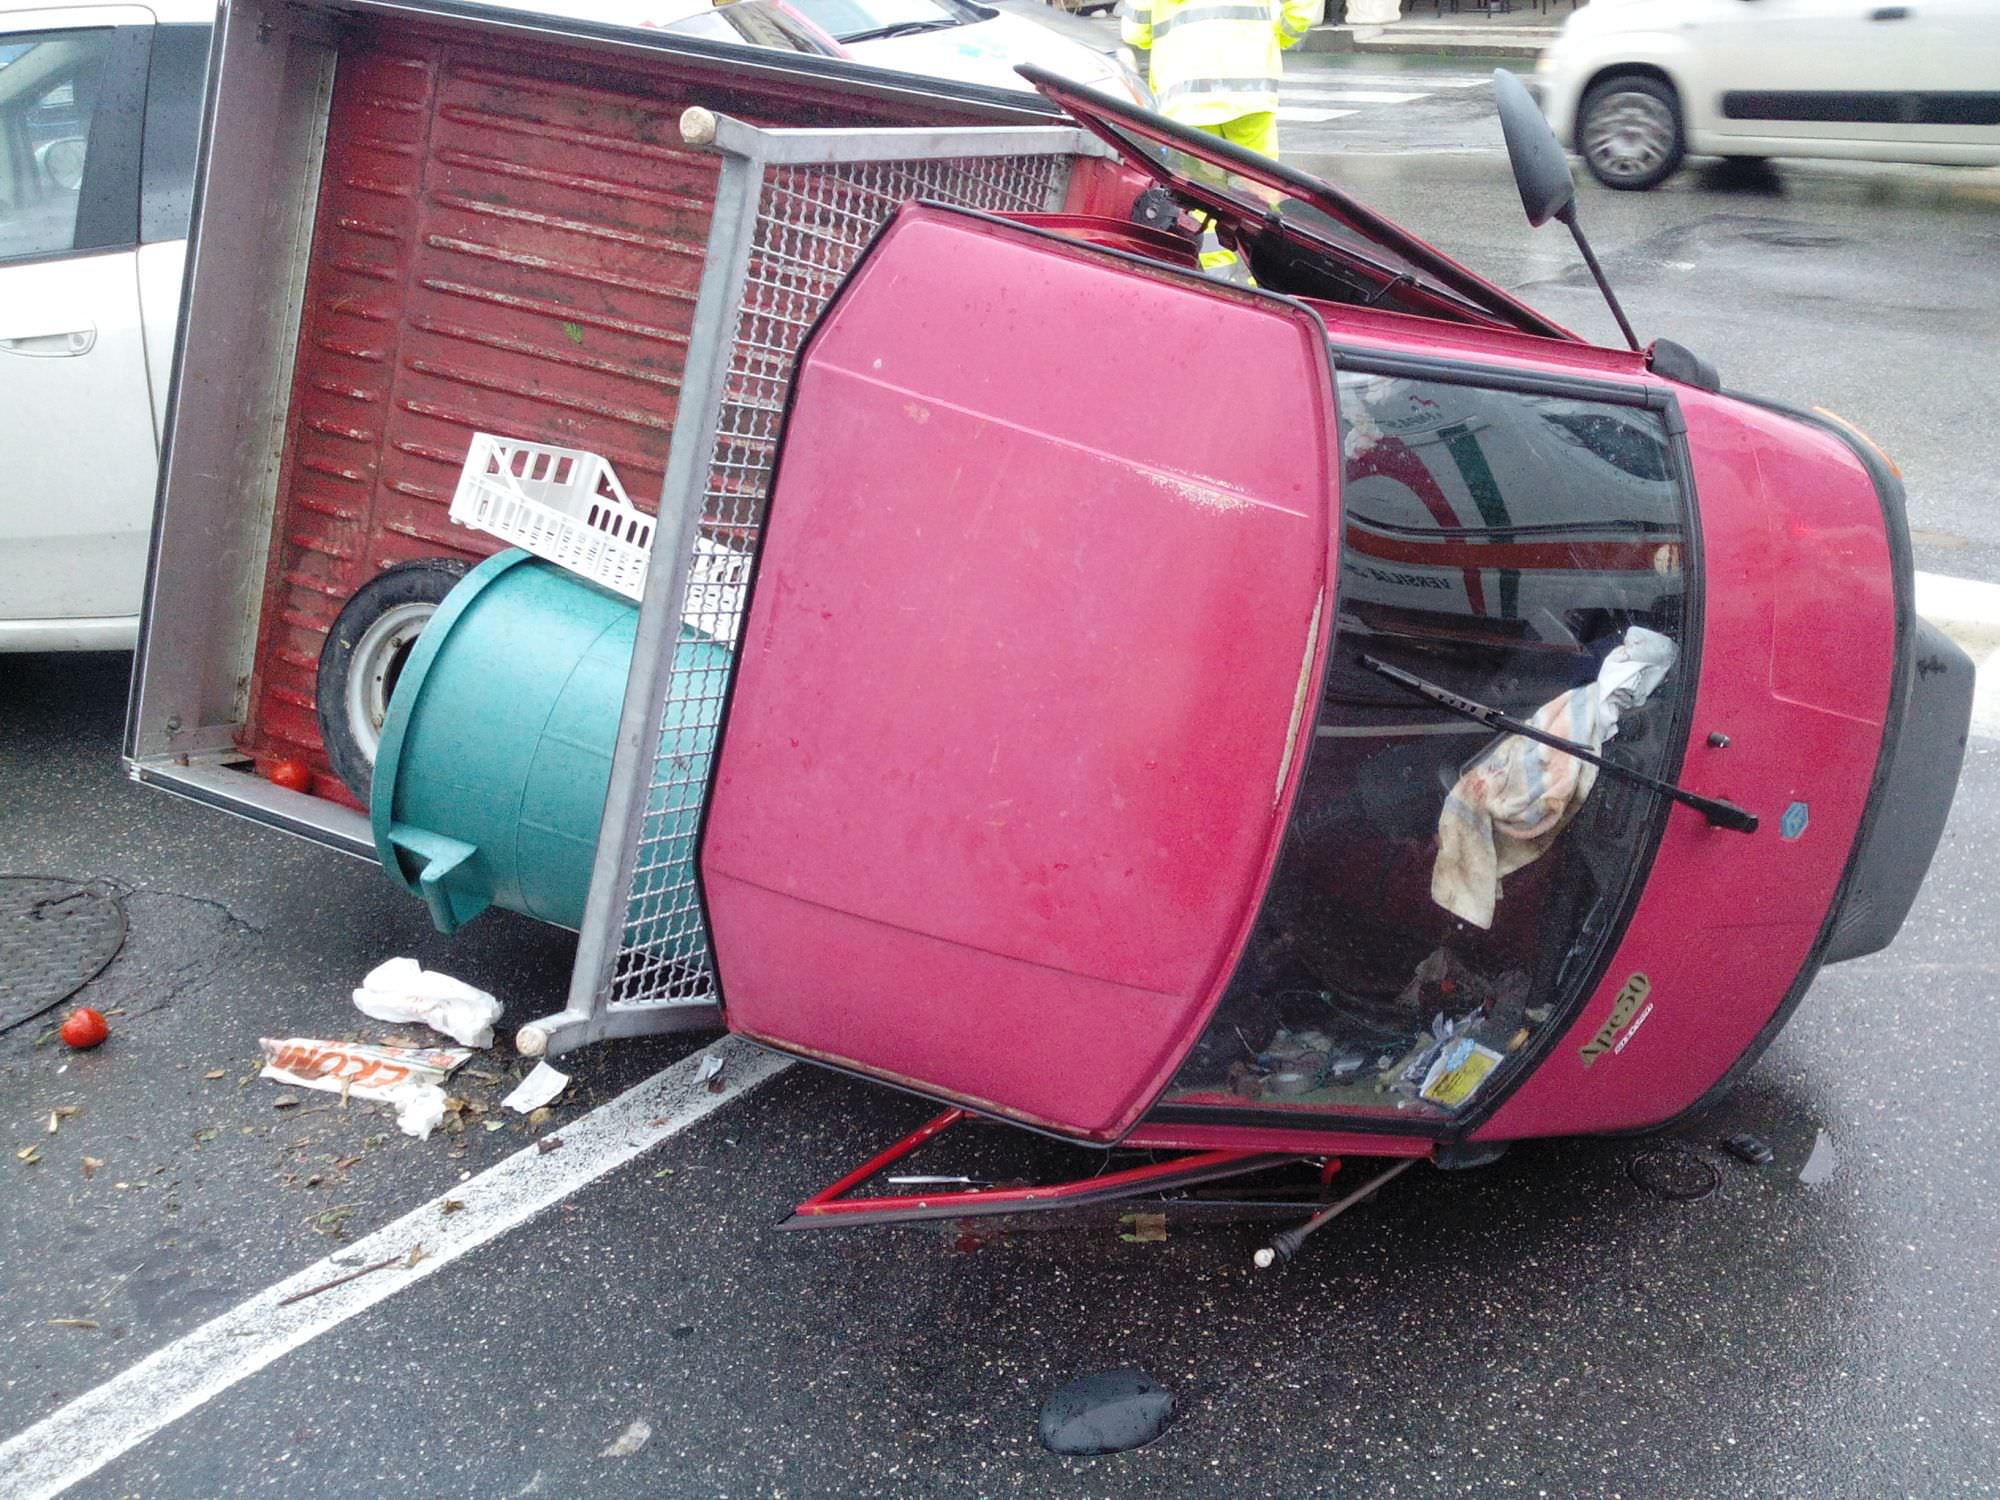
(76, 409)
(1044, 586)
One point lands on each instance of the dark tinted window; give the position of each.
(174, 86)
(1443, 895)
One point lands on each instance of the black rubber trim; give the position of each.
(107, 210)
(1370, 361)
(1863, 107)
(1896, 525)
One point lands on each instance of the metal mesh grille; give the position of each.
(812, 223)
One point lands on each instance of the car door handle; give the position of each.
(1890, 13)
(65, 345)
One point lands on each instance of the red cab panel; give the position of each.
(1042, 594)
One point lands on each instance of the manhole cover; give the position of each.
(55, 935)
(1679, 1175)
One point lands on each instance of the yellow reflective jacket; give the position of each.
(1214, 60)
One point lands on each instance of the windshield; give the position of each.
(752, 23)
(860, 20)
(1445, 898)
(1376, 262)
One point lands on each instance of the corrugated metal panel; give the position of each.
(505, 242)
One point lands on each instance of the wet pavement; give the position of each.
(1548, 1324)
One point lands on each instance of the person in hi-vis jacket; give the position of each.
(1215, 64)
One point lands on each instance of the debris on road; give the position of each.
(410, 1078)
(84, 1028)
(1821, 1165)
(711, 1073)
(90, 1323)
(92, 1165)
(1142, 1229)
(1675, 1174)
(60, 1113)
(327, 1286)
(403, 990)
(540, 1087)
(1106, 1413)
(1746, 1147)
(630, 1441)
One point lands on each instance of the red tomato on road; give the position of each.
(83, 1028)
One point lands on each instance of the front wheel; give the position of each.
(1629, 131)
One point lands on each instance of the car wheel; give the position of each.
(1629, 131)
(364, 656)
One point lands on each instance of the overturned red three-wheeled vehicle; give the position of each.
(1080, 770)
(1323, 710)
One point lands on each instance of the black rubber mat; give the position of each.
(55, 937)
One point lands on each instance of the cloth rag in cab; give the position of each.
(1518, 797)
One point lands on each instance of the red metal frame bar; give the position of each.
(831, 1206)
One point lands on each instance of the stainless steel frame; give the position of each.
(270, 86)
(270, 80)
(794, 210)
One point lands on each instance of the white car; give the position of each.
(973, 43)
(1633, 86)
(100, 118)
(100, 110)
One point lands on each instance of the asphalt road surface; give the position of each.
(1546, 1325)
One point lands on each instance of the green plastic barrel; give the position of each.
(496, 752)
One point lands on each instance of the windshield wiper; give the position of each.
(901, 28)
(1719, 814)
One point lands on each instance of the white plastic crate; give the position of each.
(561, 504)
(567, 506)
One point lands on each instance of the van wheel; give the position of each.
(364, 656)
(1629, 131)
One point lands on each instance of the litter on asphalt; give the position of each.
(404, 990)
(539, 1088)
(409, 1078)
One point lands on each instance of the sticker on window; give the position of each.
(1455, 1077)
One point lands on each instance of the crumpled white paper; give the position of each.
(538, 1088)
(404, 990)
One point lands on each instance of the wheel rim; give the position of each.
(376, 664)
(1629, 134)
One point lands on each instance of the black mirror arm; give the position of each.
(1567, 213)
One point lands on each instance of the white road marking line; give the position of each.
(1313, 116)
(1341, 78)
(1344, 96)
(72, 1444)
(1969, 612)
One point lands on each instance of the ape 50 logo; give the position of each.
(1623, 1013)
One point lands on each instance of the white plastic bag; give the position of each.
(403, 990)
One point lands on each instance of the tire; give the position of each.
(1629, 132)
(364, 655)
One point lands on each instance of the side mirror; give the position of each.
(1541, 171)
